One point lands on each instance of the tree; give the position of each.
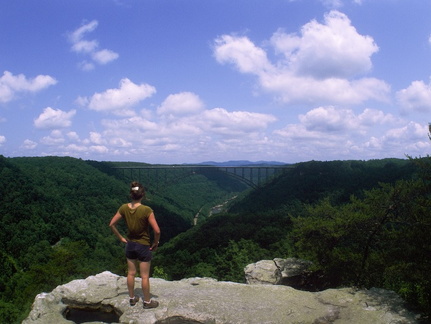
(381, 240)
(235, 257)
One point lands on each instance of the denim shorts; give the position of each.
(138, 251)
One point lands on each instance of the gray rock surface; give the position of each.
(289, 272)
(263, 272)
(206, 300)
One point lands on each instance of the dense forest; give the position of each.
(361, 223)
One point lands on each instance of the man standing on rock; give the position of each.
(138, 219)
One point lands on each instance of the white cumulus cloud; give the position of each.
(325, 63)
(181, 104)
(333, 49)
(337, 123)
(52, 118)
(182, 124)
(220, 120)
(29, 144)
(345, 134)
(11, 84)
(328, 119)
(96, 138)
(416, 97)
(243, 53)
(55, 138)
(118, 100)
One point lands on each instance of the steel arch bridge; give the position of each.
(155, 175)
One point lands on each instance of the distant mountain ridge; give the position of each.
(242, 163)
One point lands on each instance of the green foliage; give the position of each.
(236, 256)
(312, 181)
(381, 240)
(336, 238)
(182, 190)
(55, 213)
(158, 272)
(362, 223)
(223, 245)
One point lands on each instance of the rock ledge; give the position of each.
(206, 300)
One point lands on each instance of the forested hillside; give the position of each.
(362, 223)
(55, 213)
(259, 224)
(311, 181)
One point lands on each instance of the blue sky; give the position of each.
(185, 81)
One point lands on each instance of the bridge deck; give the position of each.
(253, 176)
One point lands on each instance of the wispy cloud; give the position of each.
(90, 48)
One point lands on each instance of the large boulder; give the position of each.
(206, 300)
(264, 272)
(290, 272)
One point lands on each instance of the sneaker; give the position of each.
(134, 300)
(151, 304)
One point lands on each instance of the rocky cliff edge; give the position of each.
(206, 300)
